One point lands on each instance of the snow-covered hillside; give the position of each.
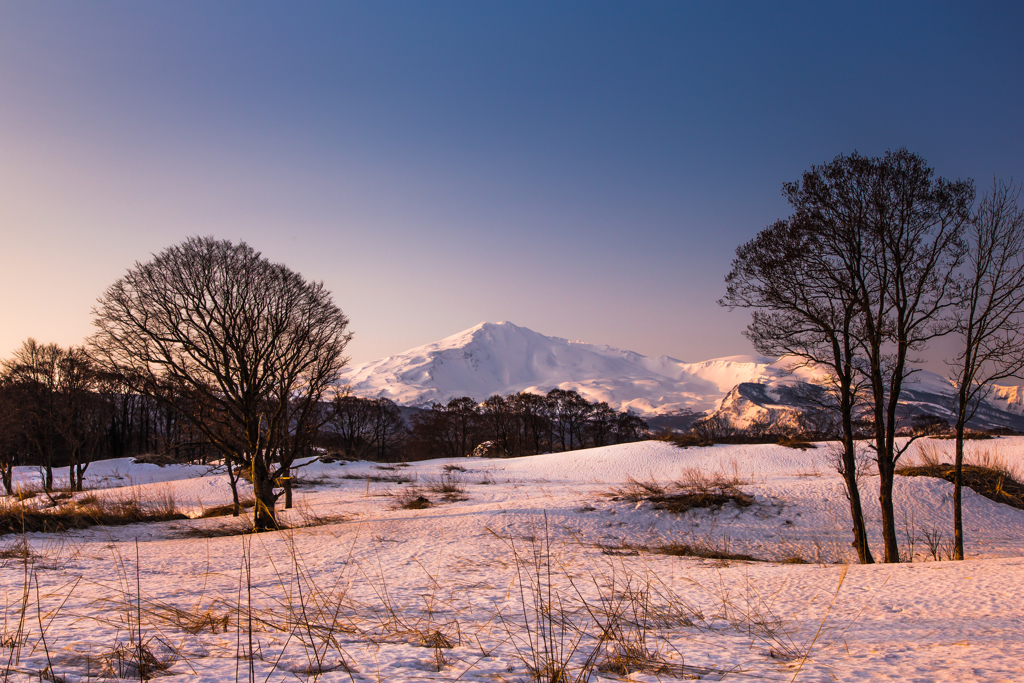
(362, 589)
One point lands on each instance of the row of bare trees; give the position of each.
(878, 258)
(60, 409)
(55, 411)
(521, 424)
(509, 426)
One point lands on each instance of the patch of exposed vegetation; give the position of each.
(224, 510)
(694, 490)
(18, 517)
(390, 477)
(992, 482)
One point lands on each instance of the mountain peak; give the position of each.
(503, 358)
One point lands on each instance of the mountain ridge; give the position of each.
(504, 358)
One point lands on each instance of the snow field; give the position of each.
(528, 571)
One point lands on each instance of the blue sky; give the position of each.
(582, 169)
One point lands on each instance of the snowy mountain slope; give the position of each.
(781, 399)
(502, 358)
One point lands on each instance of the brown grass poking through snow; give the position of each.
(986, 471)
(694, 490)
(411, 498)
(25, 516)
(449, 485)
(391, 477)
(225, 510)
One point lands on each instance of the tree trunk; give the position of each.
(233, 481)
(958, 474)
(860, 532)
(885, 484)
(264, 518)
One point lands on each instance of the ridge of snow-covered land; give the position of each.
(503, 358)
(373, 592)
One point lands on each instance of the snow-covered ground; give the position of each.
(537, 564)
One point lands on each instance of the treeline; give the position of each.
(58, 409)
(807, 425)
(502, 426)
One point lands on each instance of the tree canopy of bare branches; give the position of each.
(242, 347)
(804, 307)
(860, 278)
(989, 318)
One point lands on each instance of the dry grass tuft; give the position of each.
(312, 518)
(796, 442)
(225, 510)
(23, 516)
(451, 486)
(688, 440)
(411, 499)
(986, 471)
(133, 662)
(702, 549)
(694, 490)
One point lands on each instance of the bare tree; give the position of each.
(11, 434)
(32, 375)
(449, 430)
(532, 409)
(601, 424)
(630, 428)
(387, 427)
(351, 423)
(251, 343)
(989, 318)
(569, 413)
(804, 306)
(503, 424)
(82, 412)
(897, 233)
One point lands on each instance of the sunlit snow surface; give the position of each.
(375, 588)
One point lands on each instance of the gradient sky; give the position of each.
(583, 169)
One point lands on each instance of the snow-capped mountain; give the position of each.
(503, 358)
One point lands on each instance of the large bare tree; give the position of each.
(989, 318)
(898, 233)
(803, 306)
(251, 344)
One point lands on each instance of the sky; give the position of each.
(585, 169)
